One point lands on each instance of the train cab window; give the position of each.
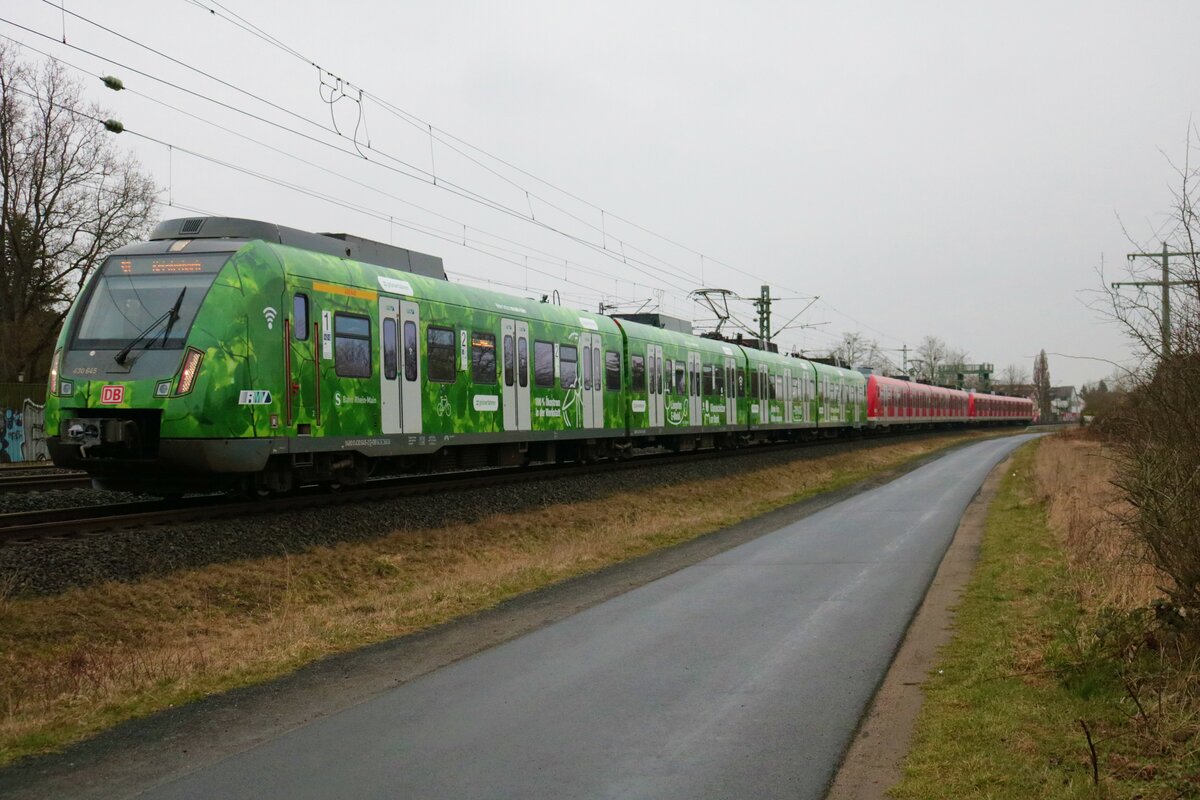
(522, 362)
(508, 359)
(439, 354)
(483, 357)
(568, 366)
(389, 348)
(612, 370)
(543, 364)
(351, 346)
(410, 350)
(300, 317)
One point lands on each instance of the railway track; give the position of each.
(33, 482)
(30, 526)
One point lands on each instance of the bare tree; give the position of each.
(1041, 385)
(1013, 378)
(931, 357)
(67, 198)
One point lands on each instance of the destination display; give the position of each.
(172, 264)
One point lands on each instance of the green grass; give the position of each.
(1003, 708)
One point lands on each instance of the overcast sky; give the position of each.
(955, 169)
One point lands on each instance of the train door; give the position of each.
(787, 395)
(597, 396)
(514, 350)
(694, 397)
(764, 410)
(302, 394)
(593, 380)
(583, 380)
(655, 402)
(410, 366)
(390, 378)
(730, 391)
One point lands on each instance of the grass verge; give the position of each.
(1043, 691)
(76, 663)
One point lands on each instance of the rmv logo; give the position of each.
(111, 395)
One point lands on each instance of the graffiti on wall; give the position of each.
(23, 432)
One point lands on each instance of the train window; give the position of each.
(587, 368)
(300, 317)
(410, 350)
(508, 359)
(707, 380)
(568, 366)
(652, 384)
(439, 354)
(637, 369)
(612, 370)
(658, 360)
(522, 362)
(543, 364)
(483, 357)
(718, 380)
(351, 346)
(389, 348)
(680, 378)
(670, 376)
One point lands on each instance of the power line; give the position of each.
(634, 264)
(550, 258)
(421, 124)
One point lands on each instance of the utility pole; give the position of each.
(1165, 284)
(763, 306)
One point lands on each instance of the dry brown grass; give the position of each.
(1074, 474)
(75, 663)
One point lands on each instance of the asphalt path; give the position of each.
(744, 675)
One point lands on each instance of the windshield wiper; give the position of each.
(172, 314)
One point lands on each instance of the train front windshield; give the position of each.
(133, 292)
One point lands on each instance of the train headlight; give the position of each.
(53, 382)
(191, 368)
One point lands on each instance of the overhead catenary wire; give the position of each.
(636, 264)
(246, 25)
(292, 187)
(550, 258)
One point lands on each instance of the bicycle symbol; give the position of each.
(443, 406)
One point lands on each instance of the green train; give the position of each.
(235, 354)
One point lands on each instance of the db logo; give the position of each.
(111, 395)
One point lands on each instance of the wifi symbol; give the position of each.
(270, 314)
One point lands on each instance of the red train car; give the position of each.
(896, 402)
(995, 408)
